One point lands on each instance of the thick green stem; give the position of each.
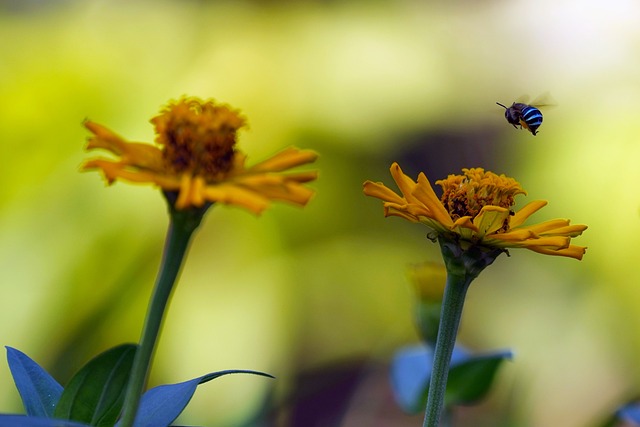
(181, 228)
(464, 262)
(454, 294)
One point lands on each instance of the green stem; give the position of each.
(454, 294)
(181, 228)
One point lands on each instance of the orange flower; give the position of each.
(196, 159)
(475, 209)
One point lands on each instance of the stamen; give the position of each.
(466, 195)
(198, 137)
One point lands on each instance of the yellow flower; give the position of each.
(475, 209)
(196, 160)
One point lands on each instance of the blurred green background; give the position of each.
(321, 293)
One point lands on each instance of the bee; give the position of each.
(524, 115)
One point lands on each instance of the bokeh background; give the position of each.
(318, 296)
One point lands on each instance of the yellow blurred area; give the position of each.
(364, 84)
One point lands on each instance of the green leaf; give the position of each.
(96, 393)
(39, 391)
(470, 380)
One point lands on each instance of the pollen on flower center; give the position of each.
(198, 137)
(465, 195)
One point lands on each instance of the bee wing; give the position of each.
(544, 100)
(522, 99)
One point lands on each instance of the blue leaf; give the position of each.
(40, 393)
(161, 405)
(411, 373)
(630, 413)
(25, 421)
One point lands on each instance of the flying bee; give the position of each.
(524, 115)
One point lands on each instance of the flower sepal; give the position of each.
(463, 259)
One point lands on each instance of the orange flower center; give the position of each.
(466, 195)
(198, 137)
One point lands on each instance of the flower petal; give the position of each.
(465, 222)
(425, 194)
(517, 235)
(555, 227)
(551, 242)
(117, 170)
(404, 182)
(380, 191)
(306, 176)
(144, 156)
(289, 192)
(235, 195)
(285, 159)
(548, 225)
(390, 210)
(567, 230)
(197, 188)
(572, 251)
(529, 209)
(490, 219)
(184, 195)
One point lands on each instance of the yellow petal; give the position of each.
(184, 195)
(551, 242)
(380, 191)
(289, 192)
(262, 179)
(556, 227)
(234, 195)
(439, 227)
(136, 154)
(301, 177)
(391, 210)
(425, 194)
(524, 213)
(465, 222)
(197, 188)
(548, 225)
(569, 230)
(417, 210)
(116, 170)
(191, 192)
(572, 251)
(490, 219)
(286, 159)
(404, 182)
(105, 138)
(517, 235)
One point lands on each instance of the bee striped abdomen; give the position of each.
(523, 115)
(531, 118)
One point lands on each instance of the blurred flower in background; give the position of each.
(364, 84)
(198, 162)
